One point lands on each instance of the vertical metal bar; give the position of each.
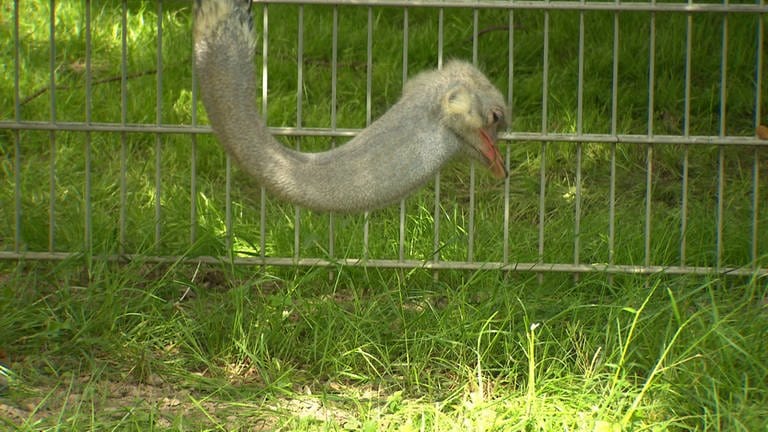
(648, 194)
(475, 39)
(369, 68)
(263, 223)
(228, 205)
(436, 217)
(366, 233)
(16, 133)
(612, 207)
(614, 132)
(193, 167)
(228, 223)
(579, 130)
(577, 210)
(684, 208)
(334, 90)
(510, 93)
(299, 121)
(721, 149)
(505, 234)
(755, 155)
(88, 105)
(440, 36)
(406, 37)
(755, 206)
(159, 120)
(471, 227)
(720, 200)
(368, 109)
(52, 134)
(436, 210)
(544, 131)
(264, 93)
(122, 222)
(649, 148)
(401, 234)
(686, 133)
(471, 223)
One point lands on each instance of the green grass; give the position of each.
(138, 345)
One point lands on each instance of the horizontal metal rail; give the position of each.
(340, 133)
(546, 5)
(530, 267)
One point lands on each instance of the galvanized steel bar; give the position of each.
(614, 132)
(472, 174)
(87, 214)
(264, 112)
(334, 65)
(533, 267)
(440, 37)
(406, 37)
(436, 210)
(366, 233)
(193, 165)
(228, 230)
(158, 121)
(649, 147)
(369, 109)
(564, 5)
(756, 155)
(16, 134)
(436, 222)
(720, 150)
(505, 224)
(369, 69)
(299, 121)
(52, 132)
(401, 221)
(123, 212)
(693, 140)
(648, 198)
(579, 130)
(334, 114)
(401, 232)
(755, 208)
(686, 133)
(510, 93)
(720, 203)
(544, 130)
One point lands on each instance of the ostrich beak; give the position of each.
(491, 152)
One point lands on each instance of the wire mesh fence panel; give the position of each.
(634, 142)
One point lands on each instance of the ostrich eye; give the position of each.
(496, 116)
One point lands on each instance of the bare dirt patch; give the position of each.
(163, 405)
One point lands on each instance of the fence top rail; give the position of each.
(636, 6)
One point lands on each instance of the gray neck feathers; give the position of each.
(396, 154)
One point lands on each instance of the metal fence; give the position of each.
(743, 144)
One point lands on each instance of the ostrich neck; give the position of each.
(396, 154)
